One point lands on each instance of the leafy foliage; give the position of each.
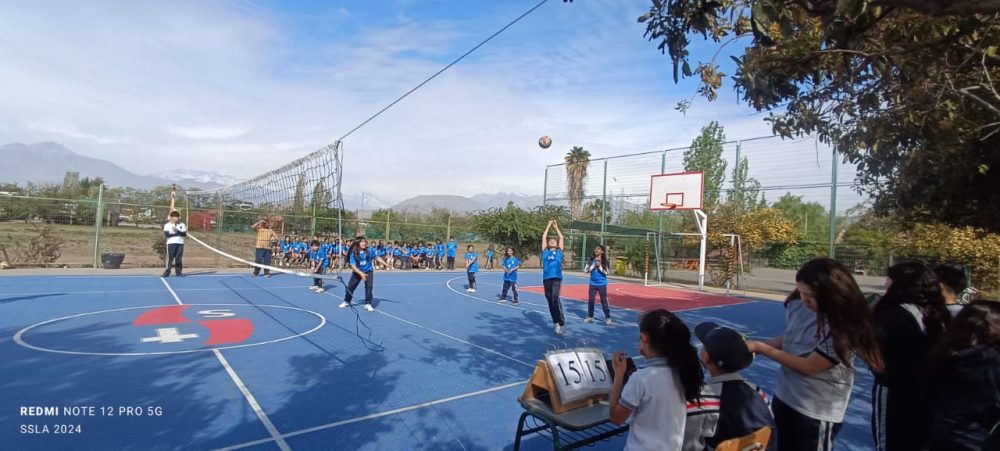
(812, 222)
(905, 89)
(705, 155)
(939, 243)
(516, 227)
(577, 162)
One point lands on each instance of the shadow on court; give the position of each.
(201, 408)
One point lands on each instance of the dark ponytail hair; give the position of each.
(842, 308)
(670, 338)
(915, 283)
(977, 324)
(604, 257)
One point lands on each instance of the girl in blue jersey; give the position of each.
(451, 248)
(597, 267)
(510, 265)
(471, 267)
(319, 260)
(439, 255)
(362, 260)
(552, 261)
(489, 257)
(430, 254)
(286, 251)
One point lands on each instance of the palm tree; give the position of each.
(577, 161)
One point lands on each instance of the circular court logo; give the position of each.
(174, 329)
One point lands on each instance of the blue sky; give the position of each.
(242, 87)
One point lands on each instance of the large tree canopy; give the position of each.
(903, 88)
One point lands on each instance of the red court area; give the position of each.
(642, 298)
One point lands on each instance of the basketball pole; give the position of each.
(701, 219)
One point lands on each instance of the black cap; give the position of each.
(725, 347)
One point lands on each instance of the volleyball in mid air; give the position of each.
(544, 142)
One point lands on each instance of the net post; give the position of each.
(99, 218)
(218, 228)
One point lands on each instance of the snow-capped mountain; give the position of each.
(204, 177)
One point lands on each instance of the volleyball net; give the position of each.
(301, 202)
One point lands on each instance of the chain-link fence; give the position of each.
(810, 182)
(53, 231)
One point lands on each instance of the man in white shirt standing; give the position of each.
(175, 231)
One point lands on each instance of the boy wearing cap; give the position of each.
(730, 406)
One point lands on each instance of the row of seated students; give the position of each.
(294, 251)
(936, 365)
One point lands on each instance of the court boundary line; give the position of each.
(376, 415)
(254, 405)
(437, 332)
(157, 290)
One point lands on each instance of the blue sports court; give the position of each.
(226, 361)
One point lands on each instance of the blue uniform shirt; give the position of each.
(439, 248)
(319, 257)
(363, 260)
(508, 264)
(597, 278)
(489, 253)
(552, 264)
(285, 246)
(474, 266)
(452, 248)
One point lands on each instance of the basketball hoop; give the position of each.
(669, 205)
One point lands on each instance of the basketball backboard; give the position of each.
(678, 191)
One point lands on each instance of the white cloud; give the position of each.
(229, 88)
(209, 132)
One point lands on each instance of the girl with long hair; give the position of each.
(552, 263)
(909, 320)
(510, 266)
(597, 267)
(965, 371)
(827, 323)
(362, 260)
(656, 396)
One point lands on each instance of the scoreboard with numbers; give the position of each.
(570, 378)
(579, 374)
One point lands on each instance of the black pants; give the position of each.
(511, 286)
(489, 262)
(472, 280)
(552, 287)
(451, 262)
(262, 256)
(175, 255)
(797, 432)
(317, 281)
(353, 284)
(603, 292)
(900, 418)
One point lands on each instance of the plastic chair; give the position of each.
(753, 442)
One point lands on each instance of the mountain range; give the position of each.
(48, 162)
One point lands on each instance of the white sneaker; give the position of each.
(607, 321)
(472, 290)
(369, 308)
(344, 305)
(320, 289)
(314, 287)
(560, 329)
(588, 319)
(469, 290)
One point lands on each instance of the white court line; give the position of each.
(376, 415)
(280, 287)
(529, 365)
(243, 388)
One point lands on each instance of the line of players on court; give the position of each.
(296, 251)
